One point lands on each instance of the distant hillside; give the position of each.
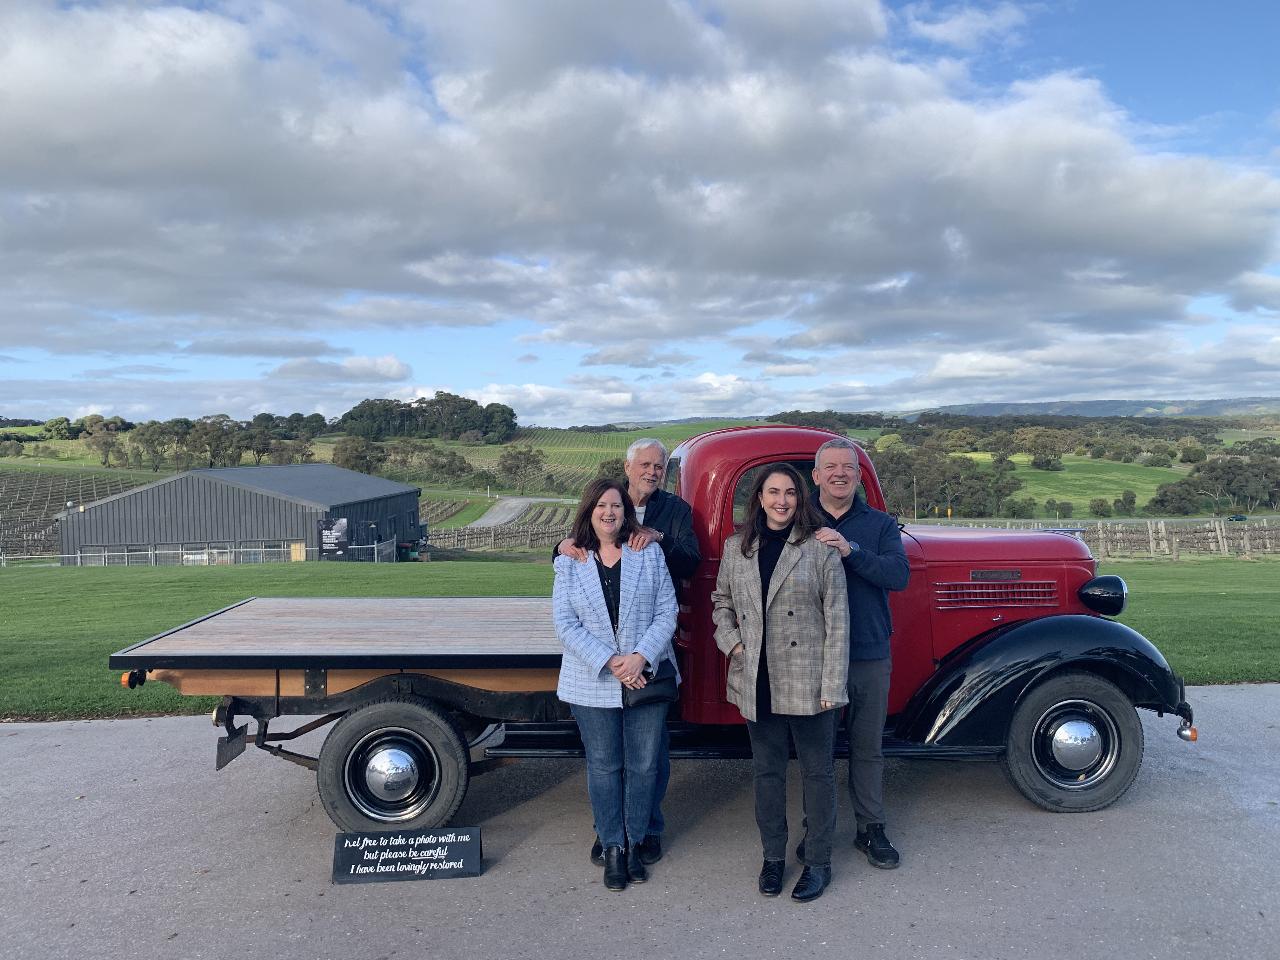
(1240, 407)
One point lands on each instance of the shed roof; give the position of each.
(318, 483)
(314, 484)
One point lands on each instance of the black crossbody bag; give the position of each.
(661, 687)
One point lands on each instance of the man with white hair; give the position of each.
(667, 520)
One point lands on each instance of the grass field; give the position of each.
(474, 510)
(1235, 436)
(1213, 619)
(1083, 478)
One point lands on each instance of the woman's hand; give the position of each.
(827, 705)
(629, 670)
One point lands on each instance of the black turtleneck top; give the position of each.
(768, 550)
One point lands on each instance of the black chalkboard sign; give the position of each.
(407, 855)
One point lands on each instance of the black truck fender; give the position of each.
(971, 698)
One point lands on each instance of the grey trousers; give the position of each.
(864, 724)
(771, 739)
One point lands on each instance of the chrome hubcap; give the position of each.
(1075, 744)
(391, 774)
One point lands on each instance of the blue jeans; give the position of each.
(622, 747)
(657, 823)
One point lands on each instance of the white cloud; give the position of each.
(627, 187)
(353, 369)
(965, 27)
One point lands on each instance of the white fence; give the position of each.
(208, 556)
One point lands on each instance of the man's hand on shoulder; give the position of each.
(833, 539)
(644, 536)
(567, 548)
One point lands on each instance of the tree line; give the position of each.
(921, 474)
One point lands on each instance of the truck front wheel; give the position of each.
(1075, 743)
(396, 763)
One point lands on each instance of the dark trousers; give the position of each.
(864, 724)
(771, 736)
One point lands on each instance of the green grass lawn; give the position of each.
(1083, 478)
(1235, 436)
(1213, 619)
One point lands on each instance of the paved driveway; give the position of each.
(119, 840)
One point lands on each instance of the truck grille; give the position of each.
(969, 596)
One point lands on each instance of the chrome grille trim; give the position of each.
(965, 595)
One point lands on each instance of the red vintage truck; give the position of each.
(1003, 650)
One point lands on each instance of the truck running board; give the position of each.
(701, 742)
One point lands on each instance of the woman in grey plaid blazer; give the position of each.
(615, 616)
(782, 617)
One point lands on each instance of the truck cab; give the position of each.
(993, 627)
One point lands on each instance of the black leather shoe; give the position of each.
(771, 877)
(876, 846)
(650, 849)
(615, 868)
(813, 880)
(636, 872)
(597, 853)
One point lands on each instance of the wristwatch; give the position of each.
(660, 537)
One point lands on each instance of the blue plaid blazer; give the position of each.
(646, 623)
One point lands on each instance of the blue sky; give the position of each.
(599, 213)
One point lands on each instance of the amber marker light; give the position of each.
(124, 679)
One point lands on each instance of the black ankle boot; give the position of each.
(771, 877)
(636, 871)
(615, 868)
(597, 853)
(813, 880)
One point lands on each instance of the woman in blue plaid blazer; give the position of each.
(615, 616)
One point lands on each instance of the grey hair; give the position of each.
(643, 442)
(838, 443)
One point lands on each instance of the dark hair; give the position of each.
(583, 534)
(804, 522)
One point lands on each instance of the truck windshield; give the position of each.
(671, 476)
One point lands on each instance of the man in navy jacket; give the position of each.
(870, 546)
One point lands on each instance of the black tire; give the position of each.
(1073, 769)
(393, 764)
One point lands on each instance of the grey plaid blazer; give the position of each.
(807, 618)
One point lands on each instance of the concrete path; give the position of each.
(119, 840)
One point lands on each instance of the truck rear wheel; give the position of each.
(1075, 743)
(396, 763)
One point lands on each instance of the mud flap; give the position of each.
(232, 745)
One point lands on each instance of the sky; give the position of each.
(599, 212)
